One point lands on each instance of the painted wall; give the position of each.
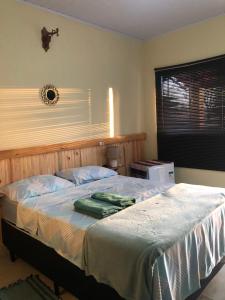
(83, 62)
(195, 42)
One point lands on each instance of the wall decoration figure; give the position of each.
(46, 37)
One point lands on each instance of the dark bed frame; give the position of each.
(62, 272)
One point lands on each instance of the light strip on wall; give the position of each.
(26, 121)
(111, 113)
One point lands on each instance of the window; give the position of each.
(191, 114)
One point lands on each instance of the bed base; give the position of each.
(62, 272)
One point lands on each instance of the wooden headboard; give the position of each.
(17, 164)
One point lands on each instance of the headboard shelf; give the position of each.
(17, 164)
(70, 146)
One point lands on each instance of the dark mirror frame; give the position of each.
(49, 94)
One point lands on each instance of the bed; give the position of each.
(48, 256)
(51, 215)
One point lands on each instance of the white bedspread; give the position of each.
(51, 218)
(159, 249)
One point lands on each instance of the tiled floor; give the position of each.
(10, 272)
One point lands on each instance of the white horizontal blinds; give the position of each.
(191, 114)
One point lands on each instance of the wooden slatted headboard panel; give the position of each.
(17, 164)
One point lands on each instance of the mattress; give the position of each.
(51, 217)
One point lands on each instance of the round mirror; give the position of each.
(49, 94)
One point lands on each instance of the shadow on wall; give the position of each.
(27, 121)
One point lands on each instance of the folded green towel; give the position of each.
(115, 199)
(95, 208)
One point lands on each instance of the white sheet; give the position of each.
(52, 219)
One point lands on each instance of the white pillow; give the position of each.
(34, 186)
(86, 174)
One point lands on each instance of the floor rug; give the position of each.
(32, 288)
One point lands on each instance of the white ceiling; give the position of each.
(139, 18)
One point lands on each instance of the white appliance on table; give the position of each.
(158, 172)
